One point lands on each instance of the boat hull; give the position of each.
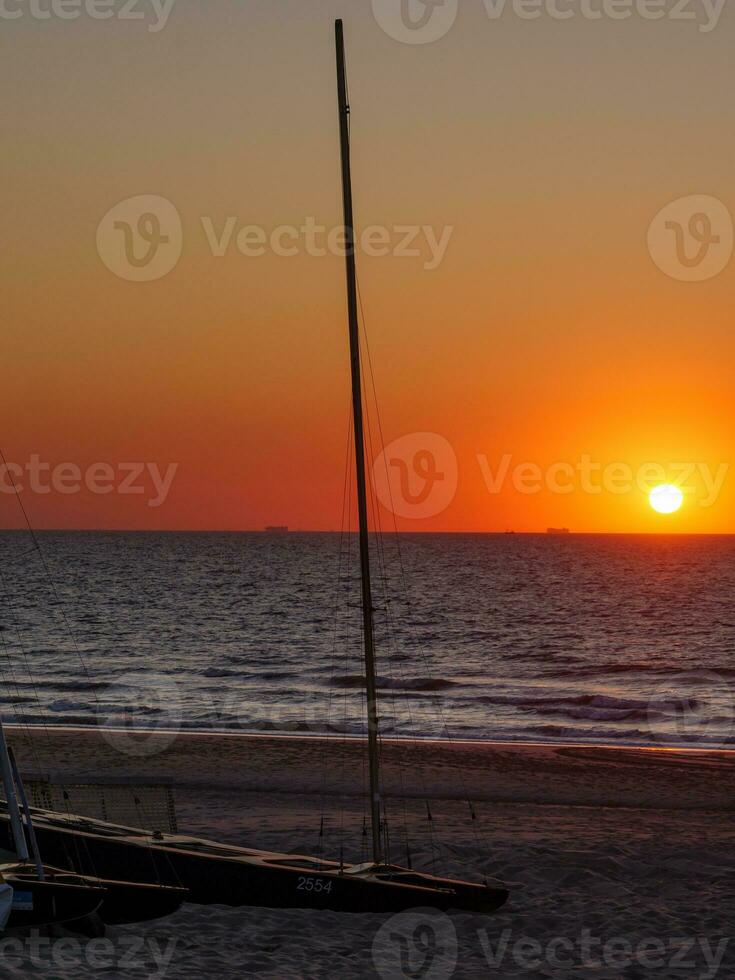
(44, 903)
(225, 875)
(128, 902)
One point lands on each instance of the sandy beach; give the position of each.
(619, 861)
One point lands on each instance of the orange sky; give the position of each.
(547, 333)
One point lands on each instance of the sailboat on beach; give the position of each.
(33, 897)
(41, 895)
(222, 874)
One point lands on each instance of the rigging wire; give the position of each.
(403, 578)
(395, 661)
(346, 496)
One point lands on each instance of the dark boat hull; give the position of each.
(44, 903)
(223, 875)
(128, 902)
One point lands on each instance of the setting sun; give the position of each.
(666, 499)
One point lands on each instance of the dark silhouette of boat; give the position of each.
(39, 903)
(44, 895)
(64, 898)
(221, 874)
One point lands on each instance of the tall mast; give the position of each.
(367, 598)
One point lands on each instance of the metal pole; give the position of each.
(367, 599)
(16, 824)
(27, 814)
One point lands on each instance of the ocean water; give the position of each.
(525, 637)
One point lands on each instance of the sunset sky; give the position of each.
(547, 333)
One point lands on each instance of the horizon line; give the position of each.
(292, 531)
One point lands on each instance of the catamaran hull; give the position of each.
(44, 903)
(223, 875)
(127, 902)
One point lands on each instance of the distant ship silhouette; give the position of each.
(558, 530)
(276, 529)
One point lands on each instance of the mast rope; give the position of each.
(403, 578)
(346, 488)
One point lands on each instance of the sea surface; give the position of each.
(611, 639)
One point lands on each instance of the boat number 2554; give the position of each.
(314, 885)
